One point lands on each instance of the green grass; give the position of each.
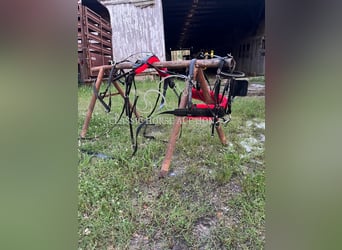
(214, 197)
(258, 79)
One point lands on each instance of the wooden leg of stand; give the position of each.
(170, 147)
(174, 134)
(91, 105)
(204, 87)
(221, 135)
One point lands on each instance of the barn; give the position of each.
(191, 26)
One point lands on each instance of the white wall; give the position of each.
(136, 29)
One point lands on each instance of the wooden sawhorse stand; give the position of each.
(198, 76)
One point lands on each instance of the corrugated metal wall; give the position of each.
(137, 26)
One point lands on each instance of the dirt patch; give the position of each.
(203, 230)
(253, 144)
(157, 131)
(223, 193)
(255, 89)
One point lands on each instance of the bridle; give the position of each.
(218, 112)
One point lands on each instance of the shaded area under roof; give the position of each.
(204, 24)
(210, 24)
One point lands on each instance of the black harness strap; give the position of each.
(100, 96)
(217, 87)
(191, 83)
(130, 110)
(216, 113)
(129, 79)
(167, 83)
(196, 112)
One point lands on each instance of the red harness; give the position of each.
(146, 64)
(198, 95)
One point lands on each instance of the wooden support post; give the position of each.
(171, 144)
(221, 135)
(204, 86)
(174, 133)
(92, 104)
(199, 76)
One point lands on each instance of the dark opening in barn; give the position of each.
(224, 26)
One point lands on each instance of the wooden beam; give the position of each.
(205, 63)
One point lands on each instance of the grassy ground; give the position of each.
(213, 198)
(257, 79)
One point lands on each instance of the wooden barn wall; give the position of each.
(250, 53)
(136, 29)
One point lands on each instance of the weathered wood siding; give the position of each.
(136, 28)
(250, 54)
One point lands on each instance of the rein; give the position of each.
(216, 112)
